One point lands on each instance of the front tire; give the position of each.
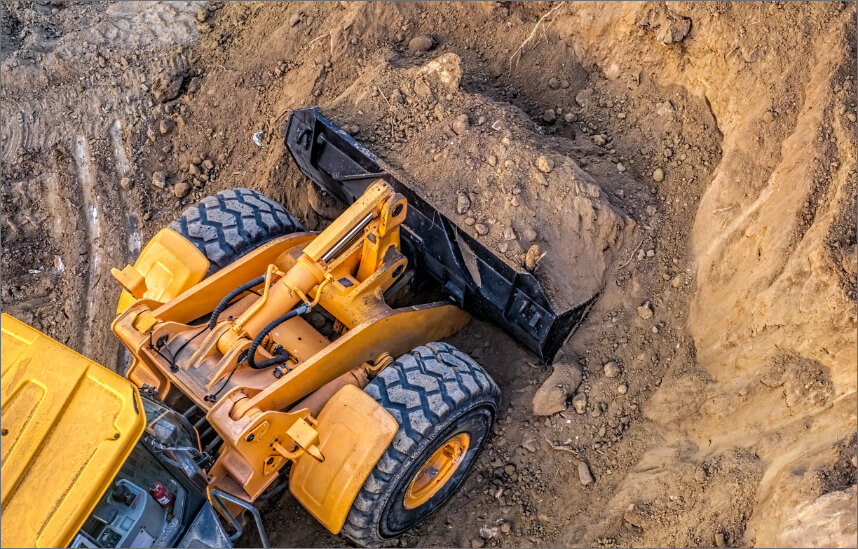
(445, 404)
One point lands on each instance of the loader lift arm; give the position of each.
(472, 276)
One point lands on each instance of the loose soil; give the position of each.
(702, 180)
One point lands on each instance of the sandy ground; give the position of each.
(703, 181)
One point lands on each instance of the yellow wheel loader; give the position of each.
(266, 357)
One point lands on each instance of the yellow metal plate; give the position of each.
(354, 432)
(170, 265)
(68, 424)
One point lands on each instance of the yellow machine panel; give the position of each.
(354, 432)
(68, 424)
(167, 266)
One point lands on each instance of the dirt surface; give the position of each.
(694, 163)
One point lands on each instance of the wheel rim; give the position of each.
(436, 471)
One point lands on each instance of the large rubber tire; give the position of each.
(434, 392)
(233, 222)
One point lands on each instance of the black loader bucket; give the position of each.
(472, 276)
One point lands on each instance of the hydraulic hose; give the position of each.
(299, 310)
(230, 296)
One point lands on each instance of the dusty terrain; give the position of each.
(702, 179)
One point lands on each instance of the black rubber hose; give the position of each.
(299, 310)
(230, 296)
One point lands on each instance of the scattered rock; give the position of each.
(509, 234)
(181, 189)
(492, 160)
(505, 528)
(126, 183)
(569, 117)
(621, 167)
(461, 124)
(622, 388)
(579, 402)
(167, 86)
(768, 117)
(634, 517)
(599, 139)
(422, 42)
(165, 126)
(208, 165)
(611, 369)
(645, 310)
(463, 203)
(159, 179)
(549, 115)
(295, 19)
(720, 540)
(544, 164)
(584, 97)
(421, 88)
(551, 397)
(658, 175)
(481, 229)
(677, 281)
(532, 257)
(585, 477)
(202, 15)
(553, 83)
(529, 442)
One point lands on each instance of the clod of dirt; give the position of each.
(669, 27)
(165, 126)
(611, 369)
(551, 397)
(585, 477)
(544, 164)
(421, 43)
(532, 257)
(167, 85)
(461, 124)
(549, 115)
(181, 189)
(579, 402)
(159, 179)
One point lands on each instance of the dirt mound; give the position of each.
(702, 179)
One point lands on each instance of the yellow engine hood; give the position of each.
(68, 424)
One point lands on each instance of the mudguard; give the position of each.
(354, 432)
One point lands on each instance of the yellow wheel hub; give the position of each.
(436, 471)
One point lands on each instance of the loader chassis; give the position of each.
(343, 271)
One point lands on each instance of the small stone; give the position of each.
(768, 117)
(564, 84)
(126, 183)
(584, 97)
(658, 175)
(720, 541)
(650, 253)
(492, 160)
(295, 19)
(532, 257)
(202, 15)
(481, 229)
(569, 117)
(668, 152)
(422, 42)
(509, 469)
(621, 167)
(621, 115)
(488, 532)
(180, 121)
(544, 164)
(677, 281)
(159, 179)
(579, 402)
(599, 139)
(421, 88)
(622, 388)
(553, 83)
(477, 543)
(463, 203)
(611, 369)
(549, 115)
(469, 221)
(508, 164)
(540, 179)
(645, 311)
(461, 124)
(551, 396)
(851, 116)
(529, 443)
(181, 189)
(165, 126)
(585, 477)
(509, 234)
(208, 164)
(505, 528)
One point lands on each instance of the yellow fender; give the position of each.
(166, 267)
(354, 432)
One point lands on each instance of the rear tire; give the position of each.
(436, 393)
(233, 222)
